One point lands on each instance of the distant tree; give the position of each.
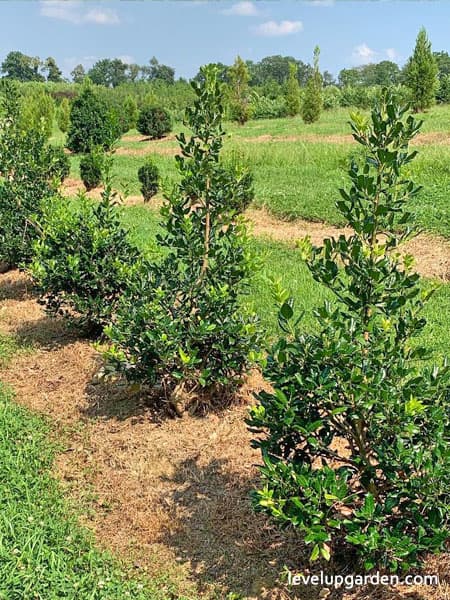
(108, 72)
(276, 68)
(313, 99)
(421, 73)
(443, 63)
(349, 77)
(156, 71)
(78, 74)
(54, 73)
(328, 78)
(292, 92)
(239, 99)
(133, 72)
(384, 73)
(21, 67)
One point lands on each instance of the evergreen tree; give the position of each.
(313, 101)
(421, 73)
(293, 91)
(240, 108)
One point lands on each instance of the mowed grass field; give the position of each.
(299, 169)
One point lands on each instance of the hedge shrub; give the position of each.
(154, 121)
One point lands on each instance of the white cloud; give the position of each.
(322, 2)
(362, 54)
(272, 28)
(242, 9)
(392, 53)
(77, 12)
(102, 17)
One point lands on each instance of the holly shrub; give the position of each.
(83, 259)
(148, 175)
(60, 163)
(355, 436)
(154, 121)
(183, 325)
(91, 168)
(29, 177)
(92, 123)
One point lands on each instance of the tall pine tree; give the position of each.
(421, 73)
(313, 100)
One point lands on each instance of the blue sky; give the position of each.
(186, 34)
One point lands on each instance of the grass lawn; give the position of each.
(301, 179)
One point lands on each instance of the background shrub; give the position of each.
(63, 115)
(92, 123)
(28, 168)
(59, 163)
(91, 168)
(268, 108)
(37, 111)
(154, 121)
(148, 175)
(331, 97)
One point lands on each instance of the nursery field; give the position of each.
(298, 168)
(102, 495)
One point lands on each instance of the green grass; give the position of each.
(301, 179)
(288, 185)
(44, 553)
(280, 260)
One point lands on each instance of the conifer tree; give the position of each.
(239, 91)
(421, 73)
(313, 101)
(292, 91)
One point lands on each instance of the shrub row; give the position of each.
(355, 435)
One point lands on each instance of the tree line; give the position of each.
(270, 72)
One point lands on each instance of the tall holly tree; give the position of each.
(313, 98)
(183, 326)
(355, 436)
(421, 73)
(292, 94)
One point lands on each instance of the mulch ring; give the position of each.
(171, 494)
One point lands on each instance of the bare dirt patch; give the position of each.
(431, 253)
(423, 139)
(72, 187)
(173, 494)
(148, 149)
